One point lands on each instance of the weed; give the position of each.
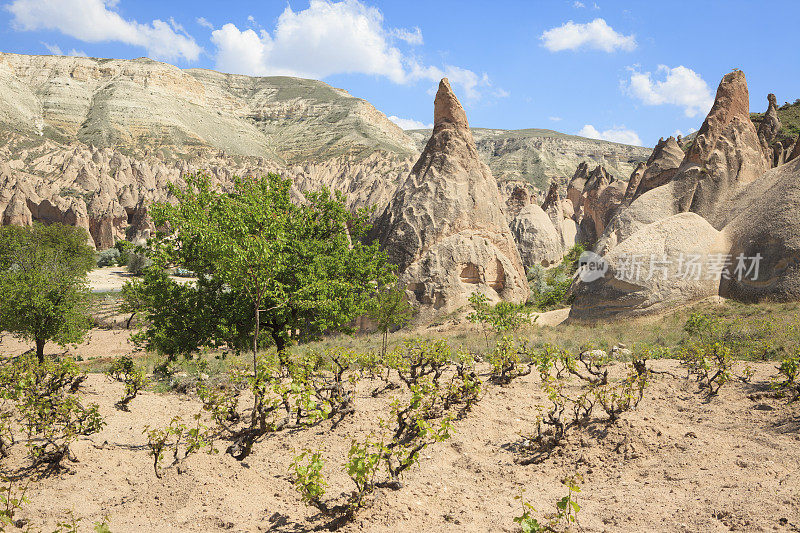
(567, 509)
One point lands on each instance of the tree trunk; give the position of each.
(40, 350)
(280, 345)
(255, 335)
(256, 397)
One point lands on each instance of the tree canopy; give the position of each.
(43, 283)
(297, 268)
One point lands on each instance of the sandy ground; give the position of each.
(108, 279)
(676, 463)
(98, 343)
(111, 279)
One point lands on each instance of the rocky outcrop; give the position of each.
(634, 181)
(72, 128)
(538, 156)
(725, 155)
(700, 211)
(538, 240)
(648, 273)
(795, 153)
(598, 200)
(661, 166)
(518, 194)
(769, 127)
(445, 227)
(765, 236)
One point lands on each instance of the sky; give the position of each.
(622, 71)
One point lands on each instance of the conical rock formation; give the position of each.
(715, 181)
(445, 227)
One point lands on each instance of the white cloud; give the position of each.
(501, 93)
(616, 134)
(96, 21)
(251, 18)
(56, 50)
(53, 49)
(681, 86)
(330, 38)
(688, 132)
(578, 5)
(554, 119)
(595, 34)
(204, 23)
(410, 36)
(410, 123)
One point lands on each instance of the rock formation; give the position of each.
(537, 156)
(720, 202)
(726, 153)
(634, 181)
(518, 194)
(764, 224)
(769, 127)
(445, 227)
(644, 275)
(538, 240)
(796, 150)
(661, 167)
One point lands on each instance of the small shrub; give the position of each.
(178, 437)
(11, 500)
(788, 384)
(126, 372)
(550, 288)
(710, 362)
(573, 407)
(502, 317)
(108, 257)
(506, 360)
(137, 263)
(43, 394)
(125, 249)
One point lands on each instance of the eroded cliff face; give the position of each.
(93, 142)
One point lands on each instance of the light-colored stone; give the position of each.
(624, 293)
(538, 240)
(445, 228)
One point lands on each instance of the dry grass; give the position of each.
(772, 325)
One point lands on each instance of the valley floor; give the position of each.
(676, 463)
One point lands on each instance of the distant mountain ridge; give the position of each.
(539, 155)
(92, 141)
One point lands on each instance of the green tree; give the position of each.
(389, 309)
(43, 283)
(300, 267)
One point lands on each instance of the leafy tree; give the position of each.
(299, 267)
(43, 283)
(389, 309)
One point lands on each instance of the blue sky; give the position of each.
(624, 71)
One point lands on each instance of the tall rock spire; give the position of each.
(445, 228)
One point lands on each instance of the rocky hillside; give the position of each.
(92, 142)
(537, 156)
